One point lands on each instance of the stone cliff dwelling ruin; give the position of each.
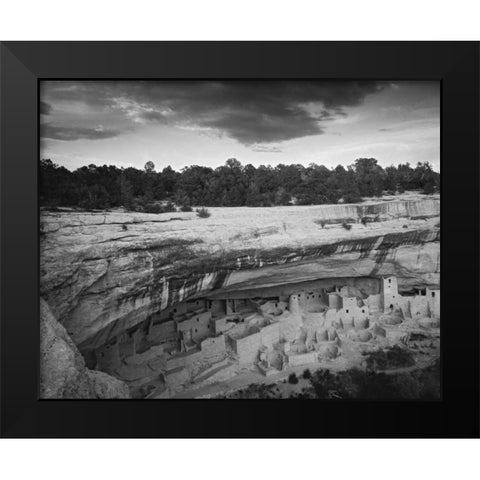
(212, 339)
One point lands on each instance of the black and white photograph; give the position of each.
(239, 239)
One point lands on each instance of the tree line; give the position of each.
(230, 185)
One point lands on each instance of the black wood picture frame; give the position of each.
(455, 64)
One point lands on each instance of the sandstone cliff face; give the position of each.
(62, 368)
(104, 272)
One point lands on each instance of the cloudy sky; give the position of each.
(182, 123)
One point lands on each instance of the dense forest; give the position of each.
(148, 190)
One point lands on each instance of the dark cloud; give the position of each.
(265, 112)
(76, 133)
(251, 127)
(45, 108)
(252, 112)
(384, 129)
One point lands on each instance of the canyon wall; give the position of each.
(63, 373)
(104, 272)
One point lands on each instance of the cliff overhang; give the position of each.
(103, 273)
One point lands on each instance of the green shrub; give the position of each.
(395, 357)
(400, 357)
(292, 379)
(429, 188)
(322, 382)
(415, 337)
(377, 361)
(203, 213)
(169, 207)
(421, 384)
(124, 227)
(152, 207)
(365, 220)
(346, 226)
(352, 198)
(307, 374)
(186, 208)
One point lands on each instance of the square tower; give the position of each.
(349, 310)
(389, 290)
(350, 305)
(433, 298)
(334, 301)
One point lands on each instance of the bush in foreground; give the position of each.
(355, 383)
(292, 379)
(395, 357)
(421, 384)
(307, 374)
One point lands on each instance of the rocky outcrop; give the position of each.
(63, 373)
(381, 211)
(102, 273)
